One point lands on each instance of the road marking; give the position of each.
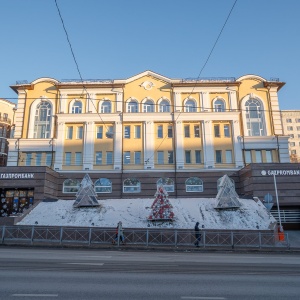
(90, 264)
(203, 298)
(99, 256)
(34, 295)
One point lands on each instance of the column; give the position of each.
(177, 102)
(91, 104)
(179, 147)
(88, 145)
(119, 104)
(237, 146)
(63, 101)
(205, 101)
(275, 112)
(148, 138)
(19, 114)
(59, 146)
(208, 146)
(118, 145)
(233, 105)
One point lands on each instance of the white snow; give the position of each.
(134, 213)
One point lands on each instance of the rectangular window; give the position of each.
(137, 131)
(99, 133)
(127, 157)
(248, 157)
(48, 159)
(110, 132)
(28, 159)
(127, 132)
(292, 136)
(258, 157)
(217, 130)
(198, 156)
(160, 131)
(69, 132)
(79, 132)
(187, 131)
(98, 158)
(68, 158)
(218, 156)
(229, 156)
(38, 159)
(290, 128)
(297, 120)
(109, 157)
(170, 157)
(78, 158)
(5, 116)
(226, 131)
(289, 120)
(292, 144)
(197, 131)
(187, 156)
(298, 128)
(160, 157)
(298, 136)
(269, 158)
(293, 152)
(170, 131)
(137, 157)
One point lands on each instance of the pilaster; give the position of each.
(208, 146)
(179, 145)
(59, 146)
(238, 152)
(88, 145)
(148, 137)
(118, 140)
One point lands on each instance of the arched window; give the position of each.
(219, 105)
(190, 106)
(164, 106)
(131, 185)
(148, 106)
(132, 106)
(193, 184)
(71, 186)
(103, 185)
(106, 107)
(77, 107)
(167, 183)
(42, 119)
(255, 118)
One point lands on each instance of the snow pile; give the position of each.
(134, 213)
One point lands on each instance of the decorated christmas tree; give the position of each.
(161, 207)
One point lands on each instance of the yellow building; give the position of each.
(147, 126)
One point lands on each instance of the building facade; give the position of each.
(131, 135)
(291, 128)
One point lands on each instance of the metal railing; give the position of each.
(287, 216)
(140, 237)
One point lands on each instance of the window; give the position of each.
(160, 131)
(137, 157)
(38, 159)
(226, 131)
(290, 128)
(127, 132)
(217, 130)
(197, 131)
(298, 136)
(258, 157)
(160, 157)
(293, 152)
(298, 128)
(193, 184)
(137, 131)
(71, 186)
(28, 159)
(269, 158)
(297, 120)
(167, 183)
(127, 157)
(248, 157)
(219, 105)
(133, 106)
(148, 106)
(198, 156)
(228, 156)
(299, 143)
(187, 131)
(110, 132)
(292, 136)
(131, 185)
(170, 157)
(255, 118)
(289, 120)
(48, 159)
(103, 185)
(218, 156)
(68, 158)
(79, 132)
(187, 156)
(42, 120)
(170, 131)
(78, 158)
(106, 107)
(98, 158)
(190, 106)
(109, 157)
(99, 132)
(164, 106)
(77, 107)
(292, 144)
(69, 132)
(5, 116)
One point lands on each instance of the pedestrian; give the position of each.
(197, 235)
(119, 233)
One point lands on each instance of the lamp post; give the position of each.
(281, 229)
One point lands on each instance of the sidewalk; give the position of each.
(294, 238)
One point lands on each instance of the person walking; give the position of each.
(119, 234)
(197, 235)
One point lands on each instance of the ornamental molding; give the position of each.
(147, 85)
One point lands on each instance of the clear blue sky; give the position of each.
(117, 39)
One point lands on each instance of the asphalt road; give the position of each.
(40, 273)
